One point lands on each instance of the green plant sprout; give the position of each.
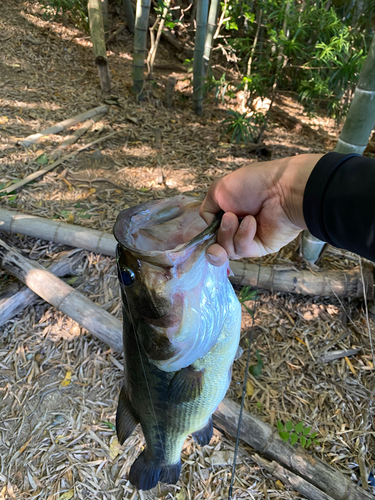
(296, 433)
(243, 129)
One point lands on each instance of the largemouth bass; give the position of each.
(181, 332)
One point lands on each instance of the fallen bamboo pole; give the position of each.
(57, 231)
(276, 278)
(71, 302)
(56, 163)
(266, 440)
(73, 138)
(288, 279)
(292, 480)
(15, 299)
(59, 127)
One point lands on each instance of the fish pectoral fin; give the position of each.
(203, 437)
(186, 385)
(239, 353)
(126, 421)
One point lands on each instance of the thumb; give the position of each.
(210, 207)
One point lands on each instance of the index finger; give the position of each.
(210, 207)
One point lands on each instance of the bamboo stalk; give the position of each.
(15, 298)
(98, 42)
(292, 480)
(56, 163)
(198, 67)
(272, 278)
(266, 440)
(211, 26)
(71, 302)
(59, 127)
(129, 14)
(140, 42)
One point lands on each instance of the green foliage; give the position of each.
(256, 370)
(243, 129)
(294, 433)
(315, 49)
(77, 9)
(169, 22)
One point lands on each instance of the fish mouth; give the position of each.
(148, 230)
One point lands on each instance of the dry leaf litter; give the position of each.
(58, 385)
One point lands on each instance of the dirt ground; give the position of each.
(59, 385)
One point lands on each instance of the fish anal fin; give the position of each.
(203, 436)
(186, 385)
(145, 475)
(126, 421)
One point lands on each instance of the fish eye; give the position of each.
(126, 276)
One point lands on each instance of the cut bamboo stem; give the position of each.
(169, 92)
(59, 127)
(266, 440)
(53, 165)
(15, 298)
(271, 278)
(292, 480)
(71, 302)
(98, 42)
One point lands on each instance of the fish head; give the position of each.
(162, 268)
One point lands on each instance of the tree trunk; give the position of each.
(198, 70)
(129, 14)
(98, 42)
(354, 135)
(140, 43)
(211, 27)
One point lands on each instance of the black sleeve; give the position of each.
(339, 202)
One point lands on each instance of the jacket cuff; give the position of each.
(315, 190)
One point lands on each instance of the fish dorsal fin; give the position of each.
(186, 385)
(126, 421)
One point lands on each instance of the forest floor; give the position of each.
(57, 441)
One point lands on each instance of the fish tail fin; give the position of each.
(145, 475)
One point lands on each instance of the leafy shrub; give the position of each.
(77, 9)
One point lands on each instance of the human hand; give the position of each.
(268, 197)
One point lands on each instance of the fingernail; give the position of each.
(245, 223)
(214, 259)
(226, 223)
